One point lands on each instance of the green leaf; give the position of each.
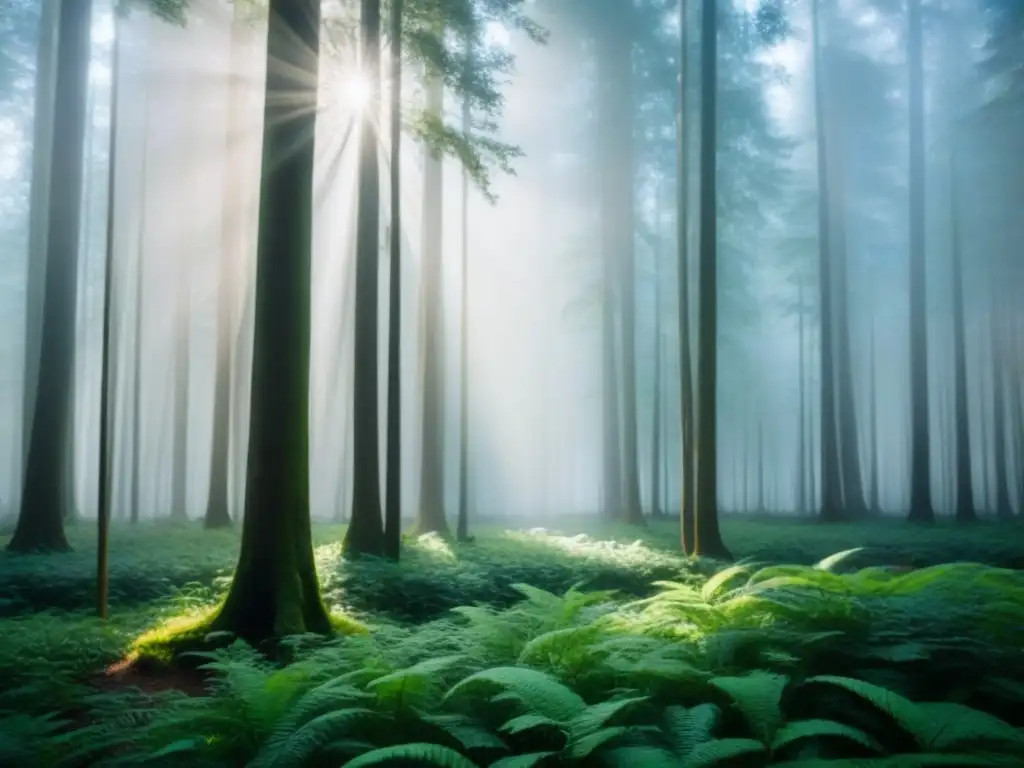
(541, 693)
(529, 760)
(758, 697)
(711, 753)
(424, 754)
(816, 729)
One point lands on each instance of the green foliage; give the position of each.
(814, 665)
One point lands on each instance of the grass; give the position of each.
(483, 652)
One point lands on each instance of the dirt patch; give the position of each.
(150, 679)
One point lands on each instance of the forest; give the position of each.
(512, 383)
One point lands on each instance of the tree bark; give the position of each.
(365, 533)
(921, 508)
(432, 517)
(707, 538)
(39, 526)
(274, 591)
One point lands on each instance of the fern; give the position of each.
(758, 697)
(541, 693)
(419, 753)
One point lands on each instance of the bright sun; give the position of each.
(353, 90)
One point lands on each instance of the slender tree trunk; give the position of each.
(801, 442)
(854, 506)
(365, 533)
(274, 591)
(920, 463)
(707, 539)
(760, 468)
(964, 510)
(432, 517)
(831, 484)
(656, 510)
(108, 338)
(1004, 508)
(875, 505)
(462, 529)
(686, 415)
(393, 478)
(39, 525)
(218, 510)
(611, 221)
(622, 95)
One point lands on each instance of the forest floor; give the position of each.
(891, 615)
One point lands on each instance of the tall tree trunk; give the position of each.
(432, 517)
(218, 510)
(831, 484)
(611, 221)
(760, 468)
(849, 445)
(108, 340)
(964, 510)
(875, 506)
(274, 591)
(40, 526)
(365, 533)
(707, 538)
(686, 415)
(462, 528)
(656, 449)
(1004, 508)
(921, 509)
(625, 252)
(801, 442)
(393, 477)
(39, 222)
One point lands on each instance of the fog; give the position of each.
(185, 197)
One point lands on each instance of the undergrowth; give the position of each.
(796, 666)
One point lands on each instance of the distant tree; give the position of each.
(921, 507)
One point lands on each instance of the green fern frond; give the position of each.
(639, 756)
(530, 760)
(304, 743)
(542, 693)
(599, 715)
(711, 753)
(687, 728)
(799, 730)
(758, 697)
(718, 583)
(957, 727)
(527, 722)
(829, 563)
(910, 717)
(418, 753)
(584, 747)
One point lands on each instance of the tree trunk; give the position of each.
(801, 441)
(393, 472)
(686, 415)
(218, 510)
(274, 591)
(921, 509)
(432, 517)
(656, 510)
(875, 506)
(462, 528)
(831, 484)
(1004, 508)
(609, 151)
(365, 533)
(39, 223)
(40, 526)
(964, 510)
(707, 539)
